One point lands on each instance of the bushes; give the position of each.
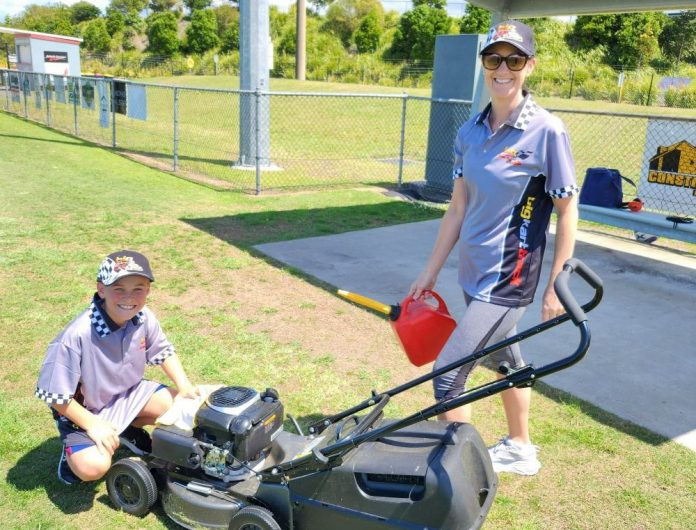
(683, 98)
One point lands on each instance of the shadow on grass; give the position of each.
(38, 470)
(248, 229)
(76, 141)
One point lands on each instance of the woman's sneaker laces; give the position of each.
(513, 457)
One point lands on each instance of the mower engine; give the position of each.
(234, 430)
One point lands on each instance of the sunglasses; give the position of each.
(515, 63)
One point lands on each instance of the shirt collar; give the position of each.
(519, 118)
(102, 322)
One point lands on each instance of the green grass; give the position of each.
(66, 203)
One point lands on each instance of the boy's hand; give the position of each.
(189, 391)
(105, 436)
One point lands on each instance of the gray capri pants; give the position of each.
(481, 325)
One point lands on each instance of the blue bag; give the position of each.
(602, 187)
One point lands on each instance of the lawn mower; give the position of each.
(238, 468)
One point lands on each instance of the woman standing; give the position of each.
(513, 166)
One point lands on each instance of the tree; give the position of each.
(157, 6)
(130, 9)
(678, 38)
(630, 39)
(96, 36)
(201, 35)
(55, 18)
(435, 4)
(366, 37)
(415, 35)
(162, 33)
(197, 5)
(475, 20)
(83, 11)
(343, 17)
(227, 27)
(115, 21)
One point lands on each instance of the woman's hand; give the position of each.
(551, 306)
(425, 282)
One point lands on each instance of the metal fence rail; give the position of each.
(322, 139)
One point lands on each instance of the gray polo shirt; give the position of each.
(510, 177)
(107, 362)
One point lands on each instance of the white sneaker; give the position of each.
(512, 457)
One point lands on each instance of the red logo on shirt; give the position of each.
(514, 157)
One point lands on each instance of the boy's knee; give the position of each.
(90, 467)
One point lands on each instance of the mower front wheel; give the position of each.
(253, 518)
(131, 486)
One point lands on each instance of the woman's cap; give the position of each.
(121, 264)
(513, 32)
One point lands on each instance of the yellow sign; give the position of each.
(674, 165)
(190, 63)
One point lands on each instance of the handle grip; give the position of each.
(365, 301)
(426, 293)
(566, 297)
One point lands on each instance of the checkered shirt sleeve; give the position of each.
(161, 356)
(565, 192)
(52, 398)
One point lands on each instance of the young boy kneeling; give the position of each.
(92, 375)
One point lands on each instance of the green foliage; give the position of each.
(366, 37)
(227, 17)
(83, 11)
(96, 37)
(55, 18)
(414, 38)
(678, 38)
(115, 21)
(197, 5)
(475, 20)
(682, 98)
(162, 33)
(631, 39)
(344, 16)
(201, 35)
(161, 5)
(436, 4)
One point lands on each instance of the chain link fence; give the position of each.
(253, 141)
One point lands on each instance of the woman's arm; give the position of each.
(566, 228)
(447, 237)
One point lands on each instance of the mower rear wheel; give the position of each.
(131, 486)
(253, 518)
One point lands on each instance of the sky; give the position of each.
(14, 7)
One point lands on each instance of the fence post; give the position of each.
(572, 80)
(25, 89)
(75, 89)
(257, 140)
(47, 80)
(399, 179)
(113, 113)
(7, 88)
(652, 77)
(176, 128)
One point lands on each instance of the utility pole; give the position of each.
(300, 48)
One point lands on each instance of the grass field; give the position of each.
(318, 138)
(237, 318)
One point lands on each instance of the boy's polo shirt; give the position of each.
(510, 178)
(105, 360)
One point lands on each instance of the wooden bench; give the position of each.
(647, 222)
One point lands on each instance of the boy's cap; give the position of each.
(121, 264)
(518, 34)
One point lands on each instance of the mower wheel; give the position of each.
(131, 486)
(253, 518)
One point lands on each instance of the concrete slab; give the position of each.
(642, 362)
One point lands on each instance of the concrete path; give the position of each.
(642, 362)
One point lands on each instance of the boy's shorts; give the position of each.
(75, 438)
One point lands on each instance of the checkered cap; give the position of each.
(121, 264)
(513, 32)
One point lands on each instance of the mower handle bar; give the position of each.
(567, 299)
(331, 455)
